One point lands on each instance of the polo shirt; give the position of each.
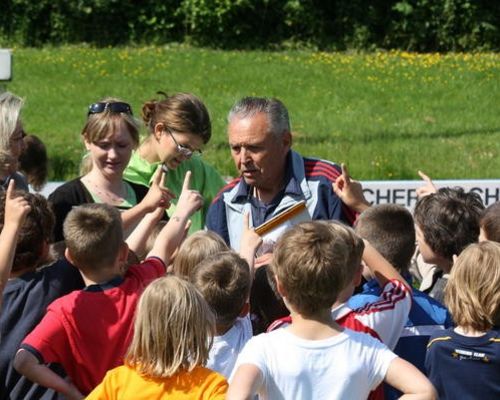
(88, 331)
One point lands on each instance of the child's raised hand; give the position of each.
(16, 207)
(350, 191)
(428, 188)
(158, 194)
(190, 200)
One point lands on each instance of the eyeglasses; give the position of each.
(183, 150)
(114, 107)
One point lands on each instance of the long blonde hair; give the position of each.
(472, 293)
(173, 329)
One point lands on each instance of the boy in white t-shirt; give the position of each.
(224, 280)
(314, 357)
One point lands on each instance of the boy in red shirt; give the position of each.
(88, 331)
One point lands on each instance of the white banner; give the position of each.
(399, 192)
(404, 192)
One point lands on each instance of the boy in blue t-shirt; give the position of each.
(28, 290)
(390, 229)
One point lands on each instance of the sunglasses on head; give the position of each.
(115, 107)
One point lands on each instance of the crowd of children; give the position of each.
(401, 306)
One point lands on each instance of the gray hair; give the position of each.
(277, 114)
(10, 108)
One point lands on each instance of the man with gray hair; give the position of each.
(273, 177)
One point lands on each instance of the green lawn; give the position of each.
(385, 114)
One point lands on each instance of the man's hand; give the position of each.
(350, 191)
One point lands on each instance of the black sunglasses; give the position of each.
(115, 107)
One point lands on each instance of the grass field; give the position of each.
(386, 114)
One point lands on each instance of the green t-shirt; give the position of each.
(204, 178)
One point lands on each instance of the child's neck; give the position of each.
(318, 326)
(467, 331)
(444, 265)
(221, 329)
(100, 277)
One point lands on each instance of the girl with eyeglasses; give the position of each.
(11, 140)
(178, 126)
(110, 135)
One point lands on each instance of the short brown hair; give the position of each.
(314, 262)
(35, 231)
(490, 222)
(99, 125)
(472, 293)
(93, 235)
(224, 281)
(449, 220)
(196, 248)
(173, 329)
(182, 113)
(33, 161)
(391, 230)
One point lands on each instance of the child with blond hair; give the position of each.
(172, 336)
(464, 362)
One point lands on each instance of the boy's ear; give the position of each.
(123, 253)
(68, 256)
(279, 287)
(358, 275)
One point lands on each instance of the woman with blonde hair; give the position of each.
(178, 127)
(110, 134)
(173, 333)
(11, 140)
(464, 362)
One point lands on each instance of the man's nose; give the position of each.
(244, 155)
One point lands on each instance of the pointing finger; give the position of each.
(424, 177)
(246, 220)
(158, 175)
(187, 181)
(10, 189)
(345, 173)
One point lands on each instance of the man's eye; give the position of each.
(236, 149)
(253, 149)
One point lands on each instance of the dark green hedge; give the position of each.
(419, 25)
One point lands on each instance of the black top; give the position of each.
(74, 193)
(25, 300)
